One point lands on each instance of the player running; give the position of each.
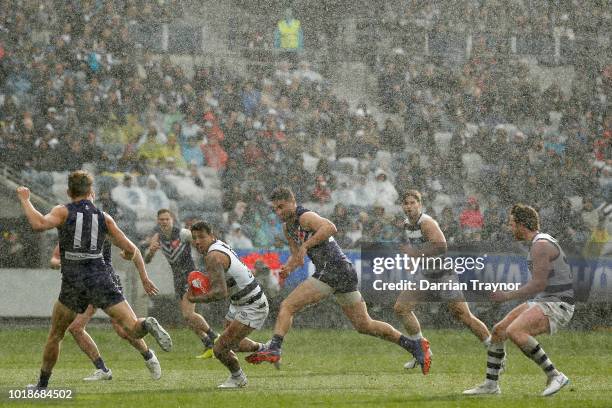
(248, 310)
(310, 234)
(84, 340)
(175, 244)
(86, 280)
(424, 238)
(552, 306)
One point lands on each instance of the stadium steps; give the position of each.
(10, 179)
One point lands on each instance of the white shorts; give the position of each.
(250, 315)
(559, 313)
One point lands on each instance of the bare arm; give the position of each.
(131, 252)
(322, 227)
(216, 265)
(295, 259)
(55, 260)
(154, 245)
(436, 242)
(541, 253)
(37, 221)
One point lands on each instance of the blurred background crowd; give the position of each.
(474, 131)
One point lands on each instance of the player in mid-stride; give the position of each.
(82, 230)
(175, 243)
(552, 306)
(87, 344)
(423, 237)
(310, 234)
(229, 277)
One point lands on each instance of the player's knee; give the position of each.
(460, 313)
(362, 326)
(288, 307)
(221, 348)
(402, 309)
(498, 333)
(76, 329)
(514, 333)
(55, 336)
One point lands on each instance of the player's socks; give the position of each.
(407, 343)
(147, 355)
(43, 380)
(238, 374)
(487, 342)
(415, 337)
(277, 342)
(99, 364)
(495, 356)
(212, 335)
(534, 351)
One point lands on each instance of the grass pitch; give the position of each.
(324, 368)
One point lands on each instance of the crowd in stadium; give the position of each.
(473, 137)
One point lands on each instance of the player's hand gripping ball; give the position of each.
(198, 282)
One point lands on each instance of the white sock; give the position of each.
(238, 373)
(415, 337)
(487, 342)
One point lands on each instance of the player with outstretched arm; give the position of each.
(82, 230)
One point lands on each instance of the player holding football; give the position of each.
(84, 340)
(312, 235)
(248, 310)
(425, 238)
(175, 244)
(551, 307)
(86, 280)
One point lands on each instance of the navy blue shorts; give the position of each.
(342, 277)
(98, 289)
(180, 283)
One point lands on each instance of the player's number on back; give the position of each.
(78, 232)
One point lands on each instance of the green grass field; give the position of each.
(321, 368)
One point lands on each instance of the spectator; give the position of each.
(288, 35)
(129, 196)
(471, 220)
(236, 239)
(383, 190)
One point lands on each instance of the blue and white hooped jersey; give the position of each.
(242, 286)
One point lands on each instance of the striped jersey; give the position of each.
(560, 279)
(82, 236)
(412, 232)
(177, 252)
(242, 286)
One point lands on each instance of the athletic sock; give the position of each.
(212, 335)
(534, 351)
(495, 355)
(238, 374)
(487, 342)
(99, 364)
(43, 380)
(415, 337)
(147, 355)
(277, 342)
(407, 344)
(207, 342)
